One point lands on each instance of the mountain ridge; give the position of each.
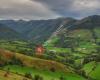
(42, 30)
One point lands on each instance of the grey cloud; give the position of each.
(24, 9)
(74, 8)
(44, 9)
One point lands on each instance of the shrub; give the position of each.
(28, 75)
(62, 78)
(52, 69)
(38, 77)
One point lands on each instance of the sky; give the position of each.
(48, 9)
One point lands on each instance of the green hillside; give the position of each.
(92, 69)
(71, 49)
(47, 75)
(46, 68)
(11, 76)
(77, 45)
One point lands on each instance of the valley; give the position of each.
(71, 49)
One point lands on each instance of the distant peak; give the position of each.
(93, 17)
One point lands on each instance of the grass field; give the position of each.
(47, 75)
(11, 76)
(93, 73)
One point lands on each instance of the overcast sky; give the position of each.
(45, 9)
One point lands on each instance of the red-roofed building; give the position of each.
(39, 50)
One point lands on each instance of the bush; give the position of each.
(38, 77)
(62, 78)
(28, 75)
(52, 69)
(16, 61)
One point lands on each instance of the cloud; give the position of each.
(25, 9)
(44, 9)
(73, 8)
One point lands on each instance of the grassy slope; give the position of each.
(35, 62)
(82, 33)
(85, 43)
(11, 76)
(40, 66)
(95, 74)
(86, 46)
(47, 75)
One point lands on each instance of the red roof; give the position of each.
(39, 50)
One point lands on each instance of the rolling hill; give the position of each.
(48, 69)
(33, 62)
